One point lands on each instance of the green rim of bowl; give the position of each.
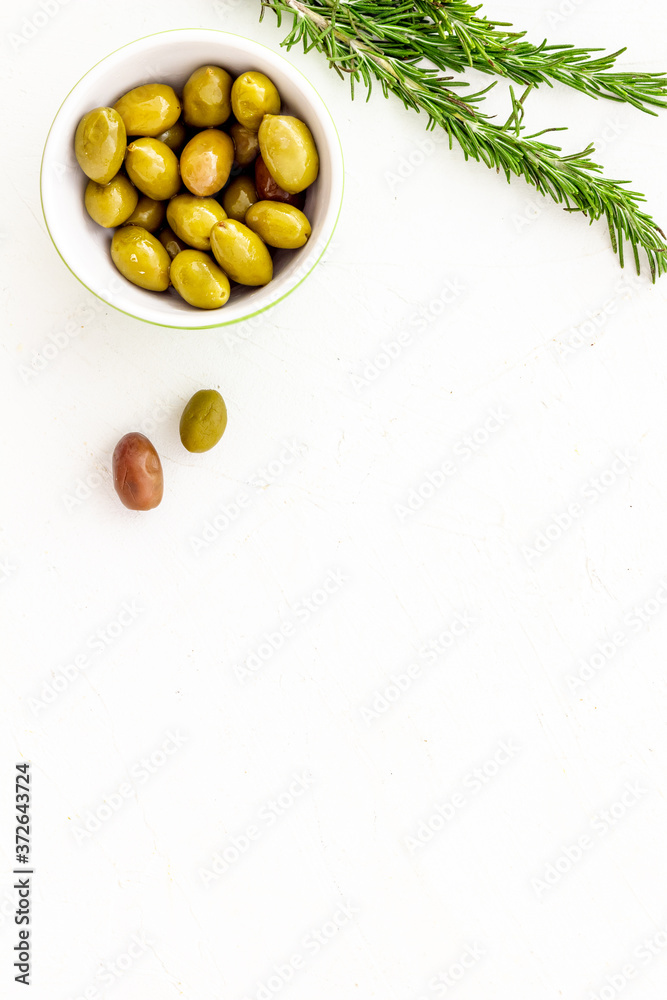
(229, 322)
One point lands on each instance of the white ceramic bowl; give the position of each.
(170, 57)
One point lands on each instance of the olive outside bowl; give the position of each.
(170, 57)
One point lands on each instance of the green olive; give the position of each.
(171, 242)
(278, 225)
(149, 214)
(253, 96)
(238, 198)
(174, 137)
(206, 162)
(110, 204)
(99, 144)
(199, 280)
(149, 110)
(206, 97)
(192, 219)
(241, 253)
(153, 168)
(204, 421)
(141, 258)
(246, 144)
(289, 152)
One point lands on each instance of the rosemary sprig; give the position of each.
(464, 39)
(366, 40)
(451, 35)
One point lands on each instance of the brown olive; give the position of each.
(246, 144)
(137, 472)
(270, 190)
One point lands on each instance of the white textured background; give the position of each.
(538, 328)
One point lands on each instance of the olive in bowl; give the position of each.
(84, 245)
